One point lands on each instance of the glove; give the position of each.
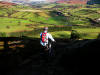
(54, 41)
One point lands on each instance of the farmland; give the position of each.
(24, 19)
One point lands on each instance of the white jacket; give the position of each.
(48, 36)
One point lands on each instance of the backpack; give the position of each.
(44, 39)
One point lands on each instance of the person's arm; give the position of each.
(50, 37)
(40, 35)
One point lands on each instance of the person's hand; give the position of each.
(54, 41)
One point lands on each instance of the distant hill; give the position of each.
(73, 1)
(3, 3)
(79, 1)
(93, 2)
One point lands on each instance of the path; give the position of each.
(35, 65)
(71, 58)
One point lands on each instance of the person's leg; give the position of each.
(50, 50)
(46, 53)
(42, 52)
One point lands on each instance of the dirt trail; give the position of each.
(35, 65)
(71, 57)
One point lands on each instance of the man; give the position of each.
(45, 36)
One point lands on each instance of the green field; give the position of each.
(12, 24)
(88, 33)
(57, 34)
(25, 19)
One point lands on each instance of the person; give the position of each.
(45, 36)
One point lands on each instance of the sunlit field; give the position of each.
(25, 19)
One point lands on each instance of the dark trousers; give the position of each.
(44, 52)
(47, 50)
(47, 53)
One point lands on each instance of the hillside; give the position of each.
(79, 1)
(75, 26)
(3, 3)
(94, 2)
(22, 20)
(72, 1)
(28, 21)
(71, 58)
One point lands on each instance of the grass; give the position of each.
(15, 29)
(26, 19)
(81, 16)
(61, 34)
(86, 12)
(90, 36)
(49, 6)
(13, 21)
(56, 34)
(44, 17)
(12, 24)
(88, 33)
(88, 30)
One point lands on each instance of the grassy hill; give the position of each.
(25, 20)
(83, 18)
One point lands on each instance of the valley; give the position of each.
(26, 19)
(74, 24)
